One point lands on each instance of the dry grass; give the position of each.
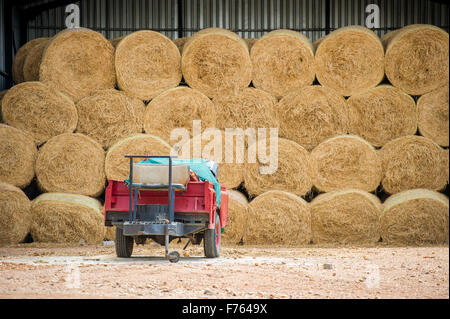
(71, 163)
(21, 55)
(33, 60)
(40, 110)
(350, 60)
(78, 62)
(283, 61)
(415, 217)
(147, 63)
(417, 58)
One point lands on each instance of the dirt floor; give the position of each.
(55, 271)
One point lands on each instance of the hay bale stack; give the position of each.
(216, 62)
(147, 63)
(177, 108)
(15, 210)
(180, 42)
(250, 108)
(382, 114)
(277, 217)
(412, 162)
(115, 41)
(39, 109)
(237, 217)
(417, 58)
(312, 114)
(109, 115)
(433, 113)
(71, 163)
(231, 173)
(344, 162)
(66, 218)
(294, 172)
(283, 61)
(18, 155)
(345, 217)
(250, 42)
(415, 217)
(19, 59)
(117, 167)
(33, 60)
(2, 94)
(78, 62)
(350, 60)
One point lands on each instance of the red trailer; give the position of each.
(165, 212)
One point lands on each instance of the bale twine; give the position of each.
(147, 63)
(283, 60)
(250, 108)
(177, 108)
(109, 115)
(345, 217)
(78, 62)
(250, 42)
(412, 162)
(19, 59)
(71, 163)
(33, 60)
(237, 217)
(294, 172)
(417, 58)
(350, 60)
(312, 114)
(39, 109)
(15, 210)
(216, 62)
(18, 154)
(433, 112)
(117, 167)
(278, 217)
(2, 94)
(180, 42)
(382, 114)
(344, 162)
(415, 217)
(231, 174)
(66, 218)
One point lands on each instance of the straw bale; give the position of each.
(2, 94)
(19, 59)
(180, 42)
(237, 217)
(33, 60)
(250, 42)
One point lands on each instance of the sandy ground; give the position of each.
(52, 271)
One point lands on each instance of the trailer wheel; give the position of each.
(212, 240)
(124, 244)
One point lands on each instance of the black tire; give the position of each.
(124, 244)
(213, 240)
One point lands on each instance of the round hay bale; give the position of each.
(294, 172)
(415, 217)
(71, 163)
(109, 115)
(115, 41)
(66, 218)
(78, 62)
(312, 114)
(19, 59)
(39, 109)
(15, 209)
(237, 217)
(117, 167)
(283, 61)
(412, 162)
(433, 113)
(417, 58)
(33, 60)
(350, 60)
(278, 217)
(180, 42)
(177, 108)
(2, 94)
(382, 114)
(18, 155)
(250, 42)
(344, 162)
(446, 164)
(250, 108)
(147, 63)
(230, 174)
(216, 62)
(345, 217)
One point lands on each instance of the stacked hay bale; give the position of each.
(237, 218)
(32, 63)
(21, 55)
